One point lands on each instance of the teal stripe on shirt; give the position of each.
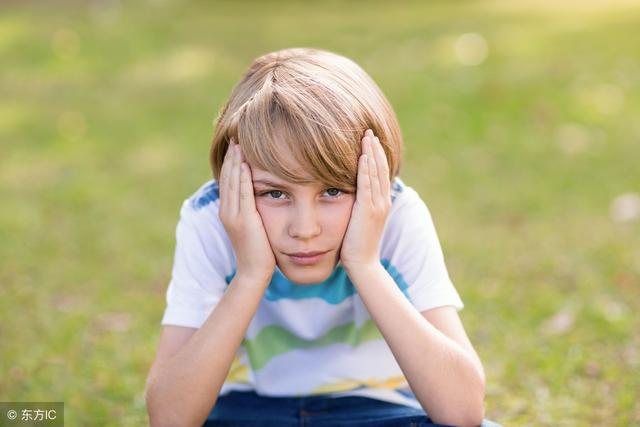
(334, 290)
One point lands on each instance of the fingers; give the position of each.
(378, 169)
(374, 185)
(223, 182)
(363, 192)
(229, 185)
(382, 169)
(236, 185)
(247, 202)
(234, 182)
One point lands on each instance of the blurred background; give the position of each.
(522, 135)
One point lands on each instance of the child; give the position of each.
(308, 283)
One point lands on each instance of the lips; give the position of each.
(307, 254)
(307, 258)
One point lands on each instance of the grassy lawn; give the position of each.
(521, 129)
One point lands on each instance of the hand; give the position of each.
(371, 208)
(241, 220)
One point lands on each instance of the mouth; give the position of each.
(307, 258)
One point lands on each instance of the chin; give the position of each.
(306, 275)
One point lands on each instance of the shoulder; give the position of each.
(200, 230)
(397, 188)
(409, 219)
(203, 204)
(207, 194)
(199, 215)
(404, 199)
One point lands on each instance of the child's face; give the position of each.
(302, 218)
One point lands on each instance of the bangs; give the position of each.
(300, 114)
(298, 138)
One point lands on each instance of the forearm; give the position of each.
(184, 388)
(446, 381)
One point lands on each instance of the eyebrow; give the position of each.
(268, 183)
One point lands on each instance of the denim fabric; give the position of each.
(249, 409)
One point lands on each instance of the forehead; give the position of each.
(263, 177)
(288, 162)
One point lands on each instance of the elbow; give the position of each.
(472, 412)
(162, 415)
(474, 415)
(154, 411)
(174, 414)
(157, 419)
(473, 418)
(158, 416)
(167, 417)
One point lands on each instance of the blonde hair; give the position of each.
(312, 105)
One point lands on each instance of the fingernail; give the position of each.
(369, 132)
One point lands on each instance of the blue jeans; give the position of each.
(246, 408)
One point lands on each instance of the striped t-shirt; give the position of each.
(309, 339)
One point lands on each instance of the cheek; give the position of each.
(340, 217)
(269, 218)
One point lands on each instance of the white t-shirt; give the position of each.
(309, 339)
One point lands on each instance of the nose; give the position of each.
(304, 223)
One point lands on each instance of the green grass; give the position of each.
(106, 115)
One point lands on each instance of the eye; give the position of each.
(273, 194)
(334, 192)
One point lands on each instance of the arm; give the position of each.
(192, 365)
(446, 378)
(443, 371)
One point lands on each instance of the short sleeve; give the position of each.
(202, 263)
(412, 254)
